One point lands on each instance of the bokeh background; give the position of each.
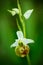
(34, 30)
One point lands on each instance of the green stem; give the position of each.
(18, 25)
(23, 26)
(28, 59)
(21, 20)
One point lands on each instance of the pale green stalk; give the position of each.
(28, 59)
(23, 25)
(18, 25)
(21, 20)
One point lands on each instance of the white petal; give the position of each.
(16, 10)
(19, 34)
(26, 41)
(14, 44)
(28, 13)
(12, 12)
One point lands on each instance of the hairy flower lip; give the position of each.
(21, 51)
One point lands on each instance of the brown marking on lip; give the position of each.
(22, 51)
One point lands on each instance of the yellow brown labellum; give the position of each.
(22, 51)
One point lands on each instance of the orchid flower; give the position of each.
(14, 11)
(20, 44)
(26, 15)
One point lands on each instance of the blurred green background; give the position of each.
(34, 30)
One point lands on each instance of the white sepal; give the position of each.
(14, 44)
(27, 41)
(14, 11)
(28, 13)
(19, 34)
(21, 38)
